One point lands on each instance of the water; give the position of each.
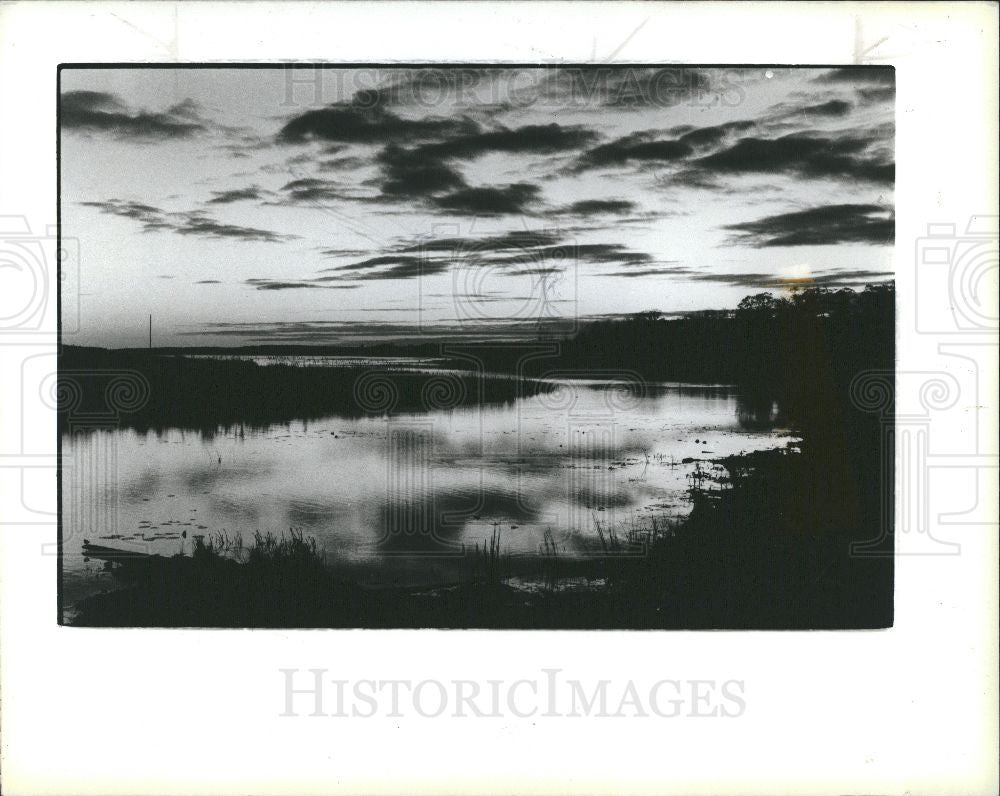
(395, 499)
(321, 360)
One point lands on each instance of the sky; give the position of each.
(350, 206)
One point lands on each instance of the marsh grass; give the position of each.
(273, 580)
(549, 553)
(490, 563)
(231, 396)
(265, 549)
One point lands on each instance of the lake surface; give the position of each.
(396, 500)
(323, 360)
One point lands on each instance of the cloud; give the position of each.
(355, 123)
(135, 210)
(659, 88)
(760, 281)
(343, 252)
(518, 252)
(609, 252)
(197, 223)
(408, 173)
(208, 282)
(186, 109)
(194, 222)
(406, 270)
(634, 273)
(310, 189)
(537, 271)
(97, 101)
(635, 147)
(508, 240)
(831, 277)
(263, 285)
(625, 88)
(501, 297)
(819, 226)
(804, 154)
(711, 136)
(879, 75)
(375, 262)
(576, 253)
(705, 152)
(494, 90)
(425, 172)
(236, 195)
(699, 155)
(595, 253)
(801, 106)
(425, 86)
(275, 284)
(870, 96)
(344, 163)
(533, 138)
(693, 178)
(401, 268)
(491, 201)
(102, 111)
(833, 108)
(596, 207)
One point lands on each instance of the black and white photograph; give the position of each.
(478, 347)
(487, 398)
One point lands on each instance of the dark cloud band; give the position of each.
(819, 226)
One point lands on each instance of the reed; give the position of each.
(492, 564)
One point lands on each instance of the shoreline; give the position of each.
(702, 573)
